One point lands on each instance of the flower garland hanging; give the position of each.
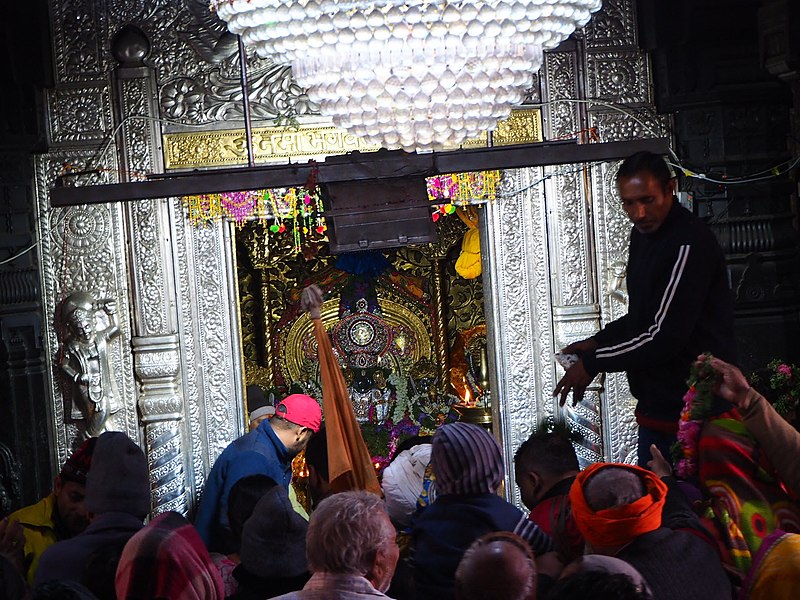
(696, 408)
(781, 386)
(295, 209)
(461, 189)
(299, 209)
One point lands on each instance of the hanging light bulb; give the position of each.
(349, 53)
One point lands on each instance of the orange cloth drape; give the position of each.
(619, 525)
(349, 463)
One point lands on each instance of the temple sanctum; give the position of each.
(167, 193)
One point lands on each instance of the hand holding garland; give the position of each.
(730, 383)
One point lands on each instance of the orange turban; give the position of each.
(619, 525)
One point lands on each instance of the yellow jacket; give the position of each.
(39, 529)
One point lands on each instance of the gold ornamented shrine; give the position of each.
(396, 354)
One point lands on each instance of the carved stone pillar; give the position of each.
(157, 367)
(154, 328)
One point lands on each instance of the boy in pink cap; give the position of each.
(268, 450)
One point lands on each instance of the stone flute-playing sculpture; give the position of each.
(86, 361)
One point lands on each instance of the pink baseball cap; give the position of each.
(301, 410)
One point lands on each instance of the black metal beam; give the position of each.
(355, 166)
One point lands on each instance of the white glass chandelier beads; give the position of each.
(414, 74)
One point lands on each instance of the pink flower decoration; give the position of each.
(785, 369)
(689, 433)
(685, 468)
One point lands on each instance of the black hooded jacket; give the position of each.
(680, 305)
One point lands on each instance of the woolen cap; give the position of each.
(77, 466)
(257, 404)
(119, 480)
(466, 459)
(301, 410)
(274, 538)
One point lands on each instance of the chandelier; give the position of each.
(417, 75)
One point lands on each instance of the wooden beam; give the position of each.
(354, 166)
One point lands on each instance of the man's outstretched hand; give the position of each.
(576, 379)
(311, 300)
(582, 347)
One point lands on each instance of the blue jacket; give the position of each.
(444, 530)
(259, 452)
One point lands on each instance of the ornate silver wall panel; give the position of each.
(79, 34)
(560, 81)
(155, 343)
(613, 27)
(621, 77)
(516, 287)
(80, 251)
(612, 234)
(79, 113)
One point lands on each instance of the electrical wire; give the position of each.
(763, 175)
(38, 241)
(773, 173)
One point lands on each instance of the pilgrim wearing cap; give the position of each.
(259, 407)
(268, 450)
(117, 501)
(629, 512)
(273, 551)
(61, 514)
(468, 466)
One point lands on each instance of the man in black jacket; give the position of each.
(680, 305)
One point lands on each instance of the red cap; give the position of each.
(301, 410)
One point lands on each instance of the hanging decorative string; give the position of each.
(461, 189)
(299, 209)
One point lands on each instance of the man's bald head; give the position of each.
(497, 566)
(611, 487)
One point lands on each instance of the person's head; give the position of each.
(119, 480)
(350, 533)
(274, 538)
(543, 460)
(611, 565)
(258, 406)
(319, 486)
(78, 309)
(498, 565)
(242, 500)
(69, 488)
(597, 585)
(613, 504)
(466, 459)
(62, 590)
(646, 189)
(402, 482)
(297, 417)
(168, 559)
